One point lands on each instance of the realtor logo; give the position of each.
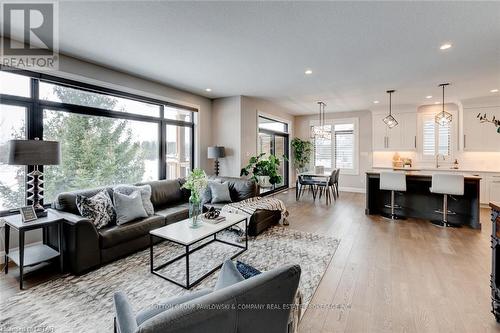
(30, 35)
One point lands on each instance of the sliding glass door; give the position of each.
(273, 140)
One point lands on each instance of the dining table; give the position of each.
(321, 177)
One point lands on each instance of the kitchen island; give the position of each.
(419, 202)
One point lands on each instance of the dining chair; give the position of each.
(327, 186)
(304, 182)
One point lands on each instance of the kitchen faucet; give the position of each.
(437, 160)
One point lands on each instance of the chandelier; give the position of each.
(321, 131)
(443, 117)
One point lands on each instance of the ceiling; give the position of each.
(356, 50)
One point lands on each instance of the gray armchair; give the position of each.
(258, 304)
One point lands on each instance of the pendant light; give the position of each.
(390, 121)
(321, 132)
(443, 117)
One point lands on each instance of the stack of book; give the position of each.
(216, 220)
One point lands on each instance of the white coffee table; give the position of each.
(180, 233)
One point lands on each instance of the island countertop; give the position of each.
(427, 174)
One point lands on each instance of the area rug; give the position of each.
(85, 303)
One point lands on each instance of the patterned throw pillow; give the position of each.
(98, 208)
(145, 195)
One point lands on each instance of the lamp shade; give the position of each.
(216, 152)
(34, 152)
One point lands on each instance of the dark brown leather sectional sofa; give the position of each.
(86, 248)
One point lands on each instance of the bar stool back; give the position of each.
(446, 184)
(393, 181)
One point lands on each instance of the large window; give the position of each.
(340, 150)
(12, 183)
(107, 137)
(436, 137)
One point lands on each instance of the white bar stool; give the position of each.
(393, 181)
(446, 184)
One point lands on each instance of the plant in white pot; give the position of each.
(196, 182)
(264, 171)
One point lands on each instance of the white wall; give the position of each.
(226, 125)
(347, 182)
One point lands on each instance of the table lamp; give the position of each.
(35, 152)
(216, 152)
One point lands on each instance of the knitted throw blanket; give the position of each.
(249, 206)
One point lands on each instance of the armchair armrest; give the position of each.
(125, 321)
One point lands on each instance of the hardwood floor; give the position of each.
(408, 276)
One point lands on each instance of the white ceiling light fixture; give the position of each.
(445, 46)
(376, 102)
(428, 96)
(321, 131)
(390, 121)
(443, 117)
(436, 102)
(494, 90)
(308, 72)
(208, 90)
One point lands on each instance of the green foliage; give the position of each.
(96, 151)
(196, 182)
(263, 167)
(302, 152)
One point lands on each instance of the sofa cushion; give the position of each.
(220, 192)
(240, 188)
(174, 213)
(145, 191)
(128, 207)
(117, 234)
(98, 208)
(228, 275)
(66, 201)
(164, 193)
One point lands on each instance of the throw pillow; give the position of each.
(228, 276)
(246, 270)
(128, 207)
(206, 196)
(145, 191)
(98, 208)
(220, 192)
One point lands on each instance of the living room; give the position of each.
(249, 166)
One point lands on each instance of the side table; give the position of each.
(26, 256)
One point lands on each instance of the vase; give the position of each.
(195, 210)
(263, 181)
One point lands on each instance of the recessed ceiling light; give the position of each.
(437, 103)
(308, 72)
(445, 46)
(208, 90)
(376, 102)
(428, 96)
(494, 90)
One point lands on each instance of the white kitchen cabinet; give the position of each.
(479, 136)
(399, 138)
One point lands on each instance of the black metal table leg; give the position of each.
(246, 233)
(7, 239)
(21, 258)
(151, 253)
(187, 267)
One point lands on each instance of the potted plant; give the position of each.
(301, 151)
(196, 182)
(264, 171)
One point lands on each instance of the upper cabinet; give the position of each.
(403, 137)
(479, 136)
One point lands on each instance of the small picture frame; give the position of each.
(28, 213)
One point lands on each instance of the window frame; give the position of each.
(340, 121)
(453, 137)
(35, 107)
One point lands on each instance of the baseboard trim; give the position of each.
(352, 189)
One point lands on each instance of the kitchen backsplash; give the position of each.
(477, 161)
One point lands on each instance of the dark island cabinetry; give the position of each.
(495, 265)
